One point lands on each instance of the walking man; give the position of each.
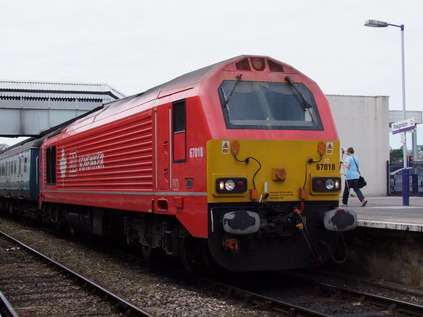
(352, 164)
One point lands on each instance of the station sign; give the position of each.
(403, 125)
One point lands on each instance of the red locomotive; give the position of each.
(235, 163)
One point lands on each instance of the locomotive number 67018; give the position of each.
(326, 167)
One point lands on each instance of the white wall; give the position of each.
(363, 123)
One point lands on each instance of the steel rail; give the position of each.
(381, 301)
(6, 309)
(291, 310)
(266, 302)
(120, 303)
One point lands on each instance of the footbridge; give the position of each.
(28, 108)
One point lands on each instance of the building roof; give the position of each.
(15, 88)
(27, 108)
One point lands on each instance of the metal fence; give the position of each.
(415, 180)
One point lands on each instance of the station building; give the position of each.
(364, 122)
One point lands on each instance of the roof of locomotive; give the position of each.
(101, 115)
(190, 79)
(182, 82)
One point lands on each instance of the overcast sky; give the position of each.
(133, 45)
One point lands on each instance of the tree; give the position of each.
(396, 155)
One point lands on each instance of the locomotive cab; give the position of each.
(273, 174)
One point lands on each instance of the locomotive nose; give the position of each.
(340, 220)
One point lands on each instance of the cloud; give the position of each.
(134, 45)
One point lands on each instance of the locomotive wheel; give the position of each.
(72, 231)
(146, 253)
(62, 228)
(210, 263)
(10, 208)
(131, 238)
(191, 254)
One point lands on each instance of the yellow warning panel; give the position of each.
(275, 170)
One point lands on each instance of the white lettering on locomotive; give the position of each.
(196, 152)
(91, 161)
(81, 163)
(62, 164)
(73, 163)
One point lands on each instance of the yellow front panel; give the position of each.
(278, 170)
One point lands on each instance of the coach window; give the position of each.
(51, 165)
(179, 130)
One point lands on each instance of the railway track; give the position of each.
(308, 298)
(35, 285)
(312, 299)
(268, 294)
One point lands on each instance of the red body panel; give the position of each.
(126, 156)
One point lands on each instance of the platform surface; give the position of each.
(389, 212)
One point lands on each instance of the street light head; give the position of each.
(376, 24)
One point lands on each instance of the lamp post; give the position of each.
(382, 24)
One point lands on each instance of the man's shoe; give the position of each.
(344, 205)
(363, 202)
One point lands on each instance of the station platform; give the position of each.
(388, 212)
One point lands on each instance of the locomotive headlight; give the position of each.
(258, 64)
(330, 184)
(326, 184)
(220, 186)
(231, 185)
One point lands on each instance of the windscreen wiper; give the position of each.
(306, 105)
(298, 94)
(227, 98)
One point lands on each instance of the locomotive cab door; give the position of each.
(163, 147)
(171, 142)
(179, 131)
